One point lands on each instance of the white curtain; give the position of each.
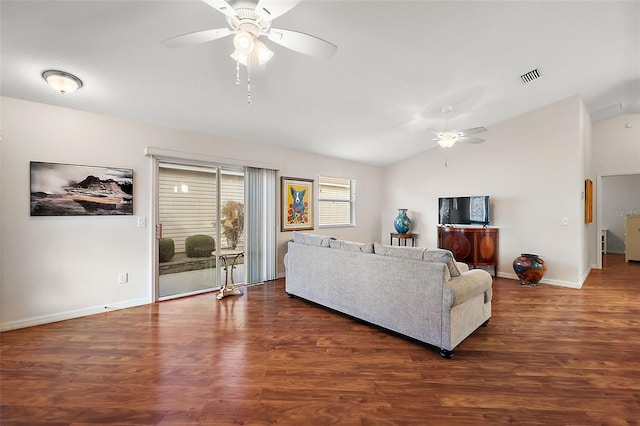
(260, 224)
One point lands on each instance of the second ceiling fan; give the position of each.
(448, 138)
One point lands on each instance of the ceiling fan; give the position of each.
(250, 23)
(448, 138)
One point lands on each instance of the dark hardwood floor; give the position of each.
(550, 356)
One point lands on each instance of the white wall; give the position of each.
(589, 241)
(531, 166)
(54, 268)
(616, 147)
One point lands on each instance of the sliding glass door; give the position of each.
(200, 213)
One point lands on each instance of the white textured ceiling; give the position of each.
(398, 64)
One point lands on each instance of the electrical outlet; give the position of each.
(123, 277)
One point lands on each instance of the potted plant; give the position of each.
(232, 222)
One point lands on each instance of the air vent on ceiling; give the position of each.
(530, 76)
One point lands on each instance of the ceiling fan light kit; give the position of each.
(249, 25)
(263, 53)
(244, 42)
(447, 140)
(244, 50)
(240, 58)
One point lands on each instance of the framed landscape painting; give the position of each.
(297, 204)
(74, 190)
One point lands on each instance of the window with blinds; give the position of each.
(336, 201)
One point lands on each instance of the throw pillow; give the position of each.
(311, 239)
(351, 246)
(442, 256)
(398, 251)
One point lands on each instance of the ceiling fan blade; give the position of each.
(222, 7)
(302, 43)
(275, 8)
(471, 140)
(197, 37)
(472, 131)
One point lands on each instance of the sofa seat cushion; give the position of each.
(471, 284)
(351, 246)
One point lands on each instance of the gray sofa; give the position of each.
(420, 293)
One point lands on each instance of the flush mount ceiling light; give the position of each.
(62, 81)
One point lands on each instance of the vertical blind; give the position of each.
(260, 222)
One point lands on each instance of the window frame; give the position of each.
(351, 201)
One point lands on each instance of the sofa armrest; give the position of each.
(471, 284)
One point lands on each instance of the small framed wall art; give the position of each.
(297, 208)
(588, 201)
(75, 190)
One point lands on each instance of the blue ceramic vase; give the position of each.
(402, 223)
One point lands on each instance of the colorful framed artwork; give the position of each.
(297, 204)
(75, 190)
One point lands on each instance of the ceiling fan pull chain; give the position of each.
(237, 72)
(249, 81)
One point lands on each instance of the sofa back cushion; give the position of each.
(351, 246)
(429, 255)
(311, 239)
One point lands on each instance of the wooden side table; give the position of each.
(403, 238)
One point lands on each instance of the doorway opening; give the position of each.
(617, 197)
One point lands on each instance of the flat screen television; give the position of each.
(473, 210)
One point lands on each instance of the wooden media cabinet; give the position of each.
(475, 246)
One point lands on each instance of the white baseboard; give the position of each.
(61, 316)
(559, 283)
